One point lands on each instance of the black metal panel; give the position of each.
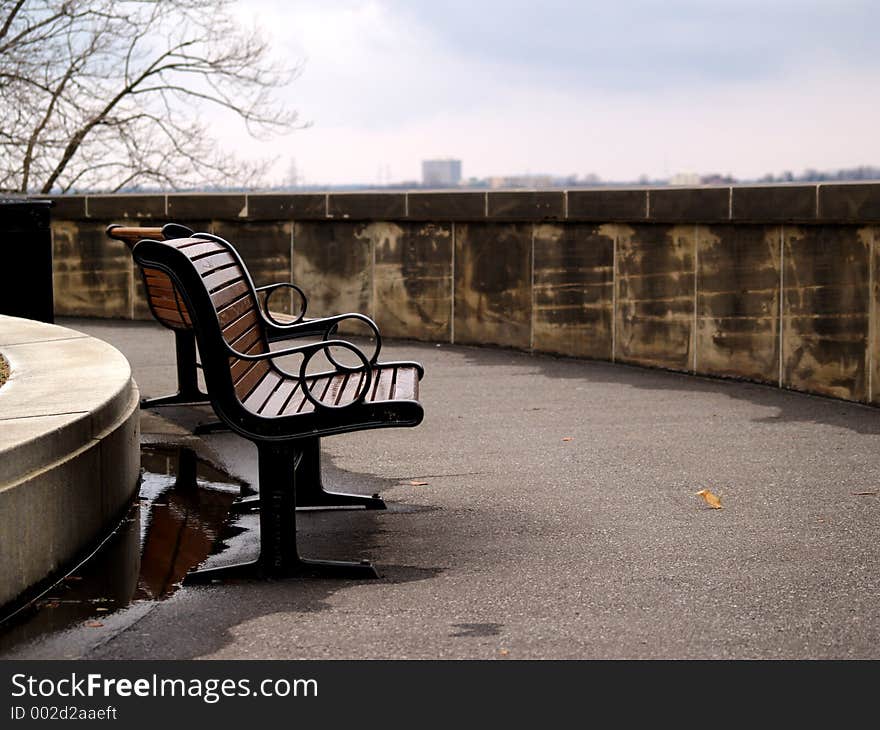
(26, 270)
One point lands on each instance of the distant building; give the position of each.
(685, 178)
(441, 173)
(523, 181)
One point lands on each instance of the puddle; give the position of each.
(181, 518)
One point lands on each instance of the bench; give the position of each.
(169, 309)
(279, 410)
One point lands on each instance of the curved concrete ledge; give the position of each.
(69, 448)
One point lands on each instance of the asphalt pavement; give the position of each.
(546, 508)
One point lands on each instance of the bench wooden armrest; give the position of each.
(132, 234)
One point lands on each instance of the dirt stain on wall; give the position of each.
(574, 289)
(825, 310)
(655, 295)
(738, 301)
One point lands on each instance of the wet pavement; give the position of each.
(181, 518)
(546, 508)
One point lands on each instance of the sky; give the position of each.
(619, 89)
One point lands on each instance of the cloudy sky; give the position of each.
(619, 89)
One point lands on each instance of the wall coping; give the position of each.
(853, 202)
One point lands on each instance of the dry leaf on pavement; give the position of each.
(711, 499)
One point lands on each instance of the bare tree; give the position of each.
(109, 94)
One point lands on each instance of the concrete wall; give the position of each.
(69, 449)
(776, 284)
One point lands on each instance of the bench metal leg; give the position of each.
(310, 487)
(310, 492)
(188, 391)
(279, 557)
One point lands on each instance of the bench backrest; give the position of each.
(163, 299)
(219, 295)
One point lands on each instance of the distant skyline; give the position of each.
(648, 88)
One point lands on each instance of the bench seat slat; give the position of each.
(214, 261)
(234, 330)
(335, 386)
(262, 392)
(172, 318)
(279, 398)
(171, 315)
(406, 386)
(249, 343)
(383, 380)
(156, 274)
(158, 282)
(165, 302)
(352, 385)
(299, 403)
(222, 297)
(197, 249)
(159, 285)
(245, 385)
(189, 245)
(164, 299)
(238, 366)
(235, 309)
(222, 278)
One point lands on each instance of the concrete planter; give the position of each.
(69, 448)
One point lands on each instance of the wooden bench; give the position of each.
(277, 409)
(169, 309)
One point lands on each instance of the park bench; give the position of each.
(279, 410)
(169, 309)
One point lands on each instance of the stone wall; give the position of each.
(776, 284)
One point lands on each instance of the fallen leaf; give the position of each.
(712, 500)
(418, 484)
(567, 438)
(864, 494)
(503, 652)
(94, 624)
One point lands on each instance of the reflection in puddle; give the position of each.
(182, 517)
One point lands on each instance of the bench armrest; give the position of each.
(308, 351)
(324, 327)
(269, 290)
(132, 234)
